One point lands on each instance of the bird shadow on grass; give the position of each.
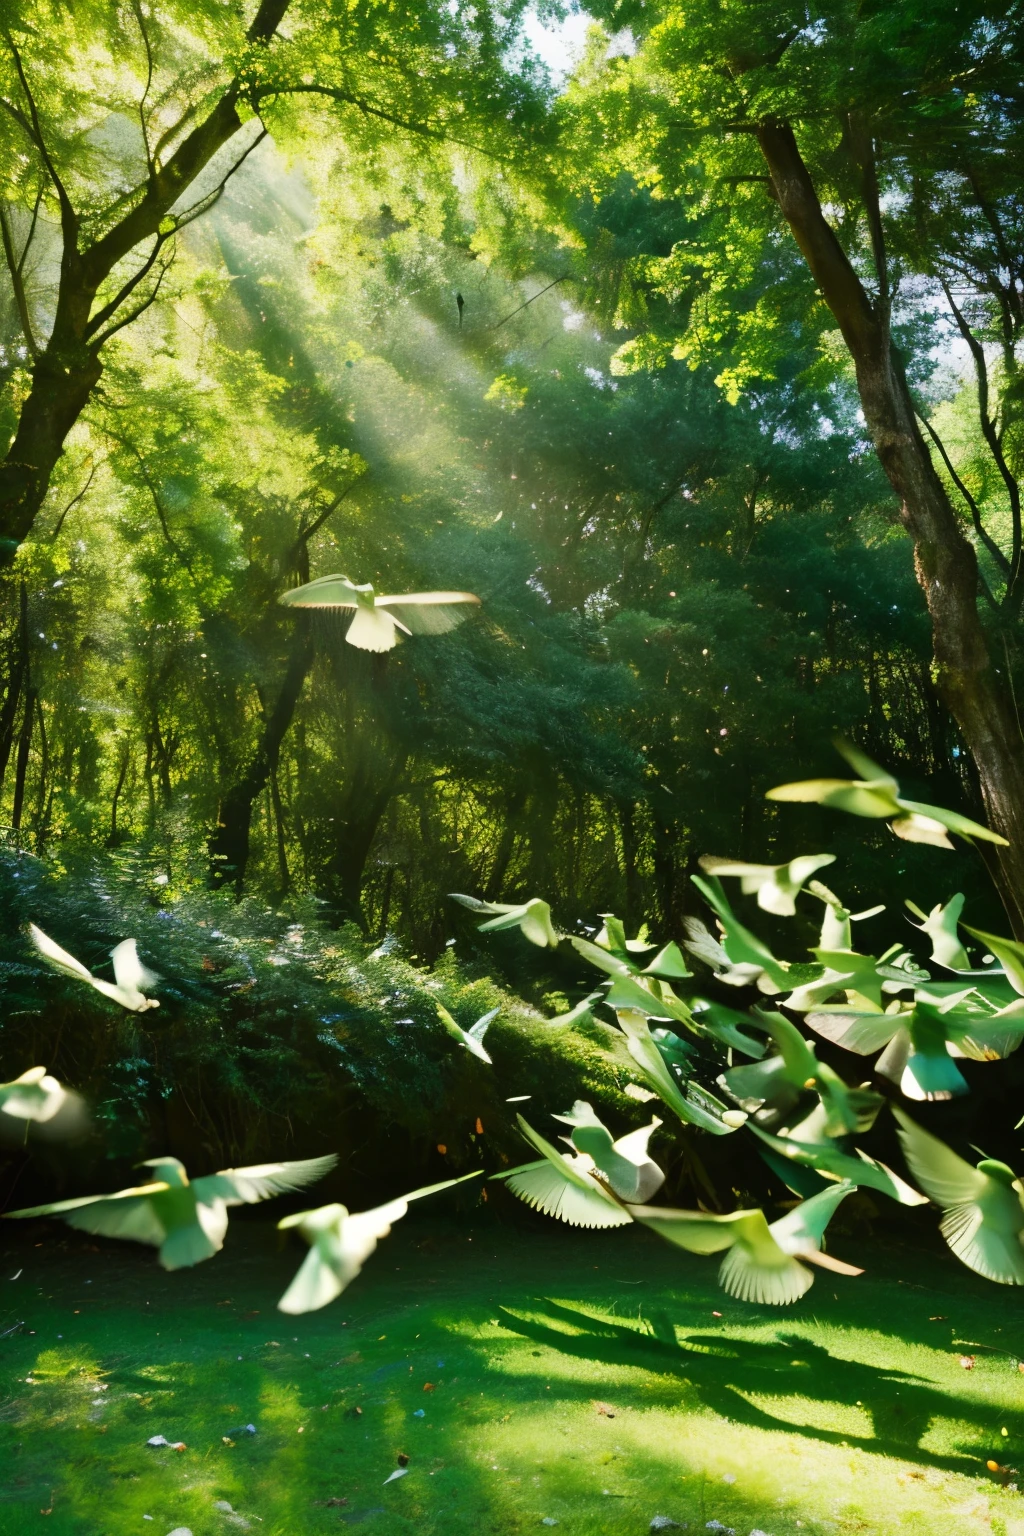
(722, 1370)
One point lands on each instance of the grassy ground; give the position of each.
(593, 1381)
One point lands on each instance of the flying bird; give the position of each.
(876, 795)
(776, 1084)
(564, 1186)
(693, 1104)
(983, 1207)
(532, 917)
(378, 623)
(612, 952)
(832, 1162)
(186, 1219)
(776, 885)
(340, 1244)
(762, 1263)
(472, 1039)
(130, 975)
(35, 1095)
(940, 926)
(920, 1042)
(625, 1164)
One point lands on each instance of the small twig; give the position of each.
(992, 1349)
(73, 503)
(499, 323)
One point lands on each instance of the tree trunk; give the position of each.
(15, 682)
(21, 763)
(68, 369)
(54, 403)
(944, 559)
(368, 793)
(229, 843)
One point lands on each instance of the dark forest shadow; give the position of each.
(721, 1370)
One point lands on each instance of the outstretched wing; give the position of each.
(482, 1025)
(561, 1187)
(129, 972)
(337, 1256)
(566, 1195)
(430, 613)
(634, 1144)
(699, 1232)
(325, 592)
(945, 1178)
(830, 1160)
(803, 1229)
(476, 905)
(854, 1030)
(129, 1214)
(57, 956)
(246, 1186)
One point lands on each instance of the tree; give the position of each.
(100, 182)
(882, 142)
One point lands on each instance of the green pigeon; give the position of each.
(748, 957)
(776, 885)
(695, 1106)
(983, 1207)
(836, 932)
(625, 1164)
(727, 1025)
(668, 962)
(876, 795)
(36, 1095)
(378, 623)
(186, 1219)
(743, 948)
(777, 1083)
(702, 943)
(339, 1245)
(762, 1263)
(834, 1163)
(564, 1186)
(583, 1010)
(473, 1038)
(130, 975)
(532, 917)
(919, 1043)
(940, 925)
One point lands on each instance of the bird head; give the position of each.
(313, 1223)
(169, 1169)
(998, 1171)
(365, 594)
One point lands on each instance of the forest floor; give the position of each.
(532, 1379)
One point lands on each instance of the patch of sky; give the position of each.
(558, 41)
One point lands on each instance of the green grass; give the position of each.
(847, 1413)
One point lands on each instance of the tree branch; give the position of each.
(154, 493)
(140, 18)
(841, 288)
(110, 309)
(15, 269)
(73, 503)
(68, 216)
(990, 544)
(863, 151)
(991, 436)
(140, 309)
(337, 93)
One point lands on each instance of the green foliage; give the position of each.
(272, 1032)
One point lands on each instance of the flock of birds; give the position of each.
(803, 1113)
